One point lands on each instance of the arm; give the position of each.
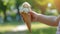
(49, 20)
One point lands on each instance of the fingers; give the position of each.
(33, 16)
(31, 13)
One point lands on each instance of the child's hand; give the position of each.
(34, 16)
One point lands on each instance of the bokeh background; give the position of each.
(11, 21)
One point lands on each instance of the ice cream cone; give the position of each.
(26, 19)
(24, 11)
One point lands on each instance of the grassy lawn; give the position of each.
(37, 28)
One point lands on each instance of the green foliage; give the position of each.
(50, 13)
(19, 2)
(37, 10)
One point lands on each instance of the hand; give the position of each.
(34, 16)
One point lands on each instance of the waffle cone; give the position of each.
(26, 19)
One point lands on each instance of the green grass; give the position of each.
(43, 29)
(37, 28)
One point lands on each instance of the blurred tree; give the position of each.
(41, 4)
(18, 3)
(3, 7)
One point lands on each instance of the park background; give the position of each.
(11, 21)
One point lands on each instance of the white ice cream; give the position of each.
(25, 7)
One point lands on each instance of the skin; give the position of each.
(49, 20)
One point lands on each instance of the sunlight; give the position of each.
(20, 28)
(49, 4)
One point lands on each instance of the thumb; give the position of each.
(32, 13)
